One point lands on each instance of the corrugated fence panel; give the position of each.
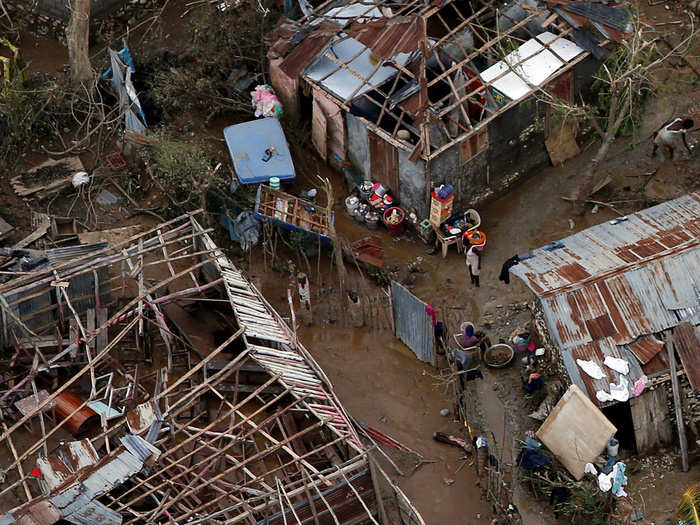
(413, 325)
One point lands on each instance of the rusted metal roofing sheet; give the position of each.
(54, 471)
(143, 416)
(95, 513)
(596, 352)
(665, 229)
(307, 50)
(658, 363)
(39, 512)
(645, 348)
(686, 341)
(79, 454)
(387, 37)
(618, 283)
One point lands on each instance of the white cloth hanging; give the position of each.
(591, 368)
(619, 365)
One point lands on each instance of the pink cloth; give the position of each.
(640, 385)
(431, 312)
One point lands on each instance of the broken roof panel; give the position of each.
(362, 71)
(645, 348)
(530, 65)
(687, 344)
(386, 37)
(615, 17)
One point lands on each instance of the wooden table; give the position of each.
(446, 241)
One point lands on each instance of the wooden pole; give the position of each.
(677, 403)
(17, 462)
(310, 498)
(383, 518)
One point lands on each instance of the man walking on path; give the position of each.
(474, 265)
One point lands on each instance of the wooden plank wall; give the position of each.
(652, 424)
(335, 128)
(384, 162)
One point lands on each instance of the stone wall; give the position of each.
(515, 147)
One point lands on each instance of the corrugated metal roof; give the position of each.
(687, 343)
(54, 471)
(645, 348)
(648, 235)
(95, 513)
(386, 37)
(596, 352)
(618, 282)
(39, 512)
(307, 50)
(79, 454)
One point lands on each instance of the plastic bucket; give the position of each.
(613, 447)
(394, 228)
(275, 183)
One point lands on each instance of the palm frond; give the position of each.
(689, 507)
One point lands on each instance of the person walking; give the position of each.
(672, 135)
(474, 265)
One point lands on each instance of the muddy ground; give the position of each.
(378, 379)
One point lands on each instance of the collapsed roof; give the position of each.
(150, 382)
(437, 70)
(611, 289)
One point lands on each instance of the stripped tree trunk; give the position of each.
(337, 246)
(78, 36)
(616, 116)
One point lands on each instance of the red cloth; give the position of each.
(431, 312)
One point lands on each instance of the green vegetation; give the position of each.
(223, 48)
(31, 113)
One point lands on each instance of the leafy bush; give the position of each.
(224, 47)
(30, 112)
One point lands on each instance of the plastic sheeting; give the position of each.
(244, 228)
(121, 71)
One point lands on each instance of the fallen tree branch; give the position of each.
(599, 203)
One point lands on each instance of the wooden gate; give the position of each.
(652, 425)
(383, 162)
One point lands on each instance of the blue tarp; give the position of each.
(245, 229)
(247, 144)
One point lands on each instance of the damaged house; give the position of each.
(149, 382)
(416, 94)
(627, 289)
